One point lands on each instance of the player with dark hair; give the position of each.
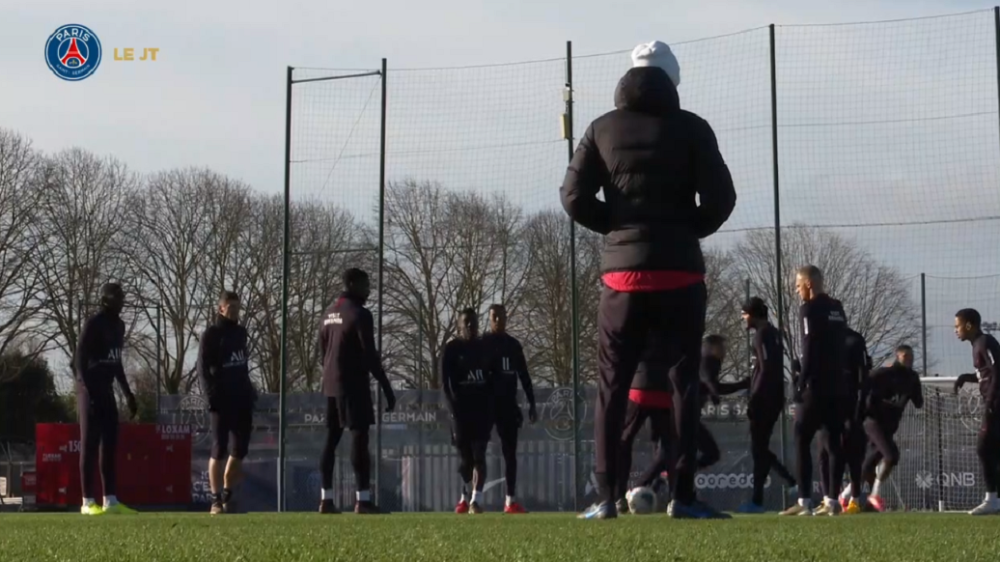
(985, 353)
(98, 364)
(885, 395)
(468, 385)
(347, 346)
(767, 400)
(666, 187)
(507, 362)
(650, 400)
(223, 366)
(822, 400)
(857, 365)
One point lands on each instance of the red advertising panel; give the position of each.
(153, 465)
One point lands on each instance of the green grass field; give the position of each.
(494, 537)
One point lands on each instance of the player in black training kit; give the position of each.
(508, 364)
(857, 365)
(885, 395)
(347, 346)
(223, 365)
(468, 385)
(985, 353)
(822, 403)
(767, 400)
(98, 364)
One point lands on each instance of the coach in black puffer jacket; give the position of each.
(652, 159)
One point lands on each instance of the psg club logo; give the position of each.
(73, 52)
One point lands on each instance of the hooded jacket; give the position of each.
(652, 159)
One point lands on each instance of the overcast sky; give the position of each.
(880, 124)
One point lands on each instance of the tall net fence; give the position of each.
(888, 151)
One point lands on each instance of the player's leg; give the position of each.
(479, 474)
(109, 469)
(334, 432)
(988, 450)
(761, 426)
(707, 447)
(634, 418)
(832, 430)
(855, 451)
(823, 461)
(661, 425)
(883, 442)
(90, 443)
(507, 429)
(242, 426)
(360, 418)
(621, 322)
(461, 439)
(807, 422)
(216, 465)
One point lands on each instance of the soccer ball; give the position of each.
(641, 500)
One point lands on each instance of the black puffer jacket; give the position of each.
(651, 158)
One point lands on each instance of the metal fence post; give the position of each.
(381, 281)
(286, 267)
(778, 274)
(574, 296)
(923, 321)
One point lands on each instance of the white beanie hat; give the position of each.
(658, 54)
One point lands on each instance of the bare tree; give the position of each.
(170, 228)
(547, 307)
(262, 240)
(326, 241)
(875, 295)
(78, 231)
(726, 292)
(19, 195)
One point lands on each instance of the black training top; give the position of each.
(768, 381)
(887, 391)
(506, 360)
(466, 378)
(652, 159)
(824, 337)
(347, 346)
(224, 365)
(98, 360)
(985, 353)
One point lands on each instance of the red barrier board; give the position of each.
(153, 465)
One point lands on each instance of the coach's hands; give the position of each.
(133, 407)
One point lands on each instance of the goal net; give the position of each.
(938, 468)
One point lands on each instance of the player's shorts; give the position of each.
(470, 429)
(353, 412)
(636, 416)
(236, 423)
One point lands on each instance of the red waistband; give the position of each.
(650, 281)
(651, 398)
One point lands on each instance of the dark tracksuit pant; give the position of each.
(763, 417)
(823, 414)
(98, 417)
(626, 321)
(988, 449)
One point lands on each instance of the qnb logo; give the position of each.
(333, 318)
(925, 480)
(726, 481)
(73, 52)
